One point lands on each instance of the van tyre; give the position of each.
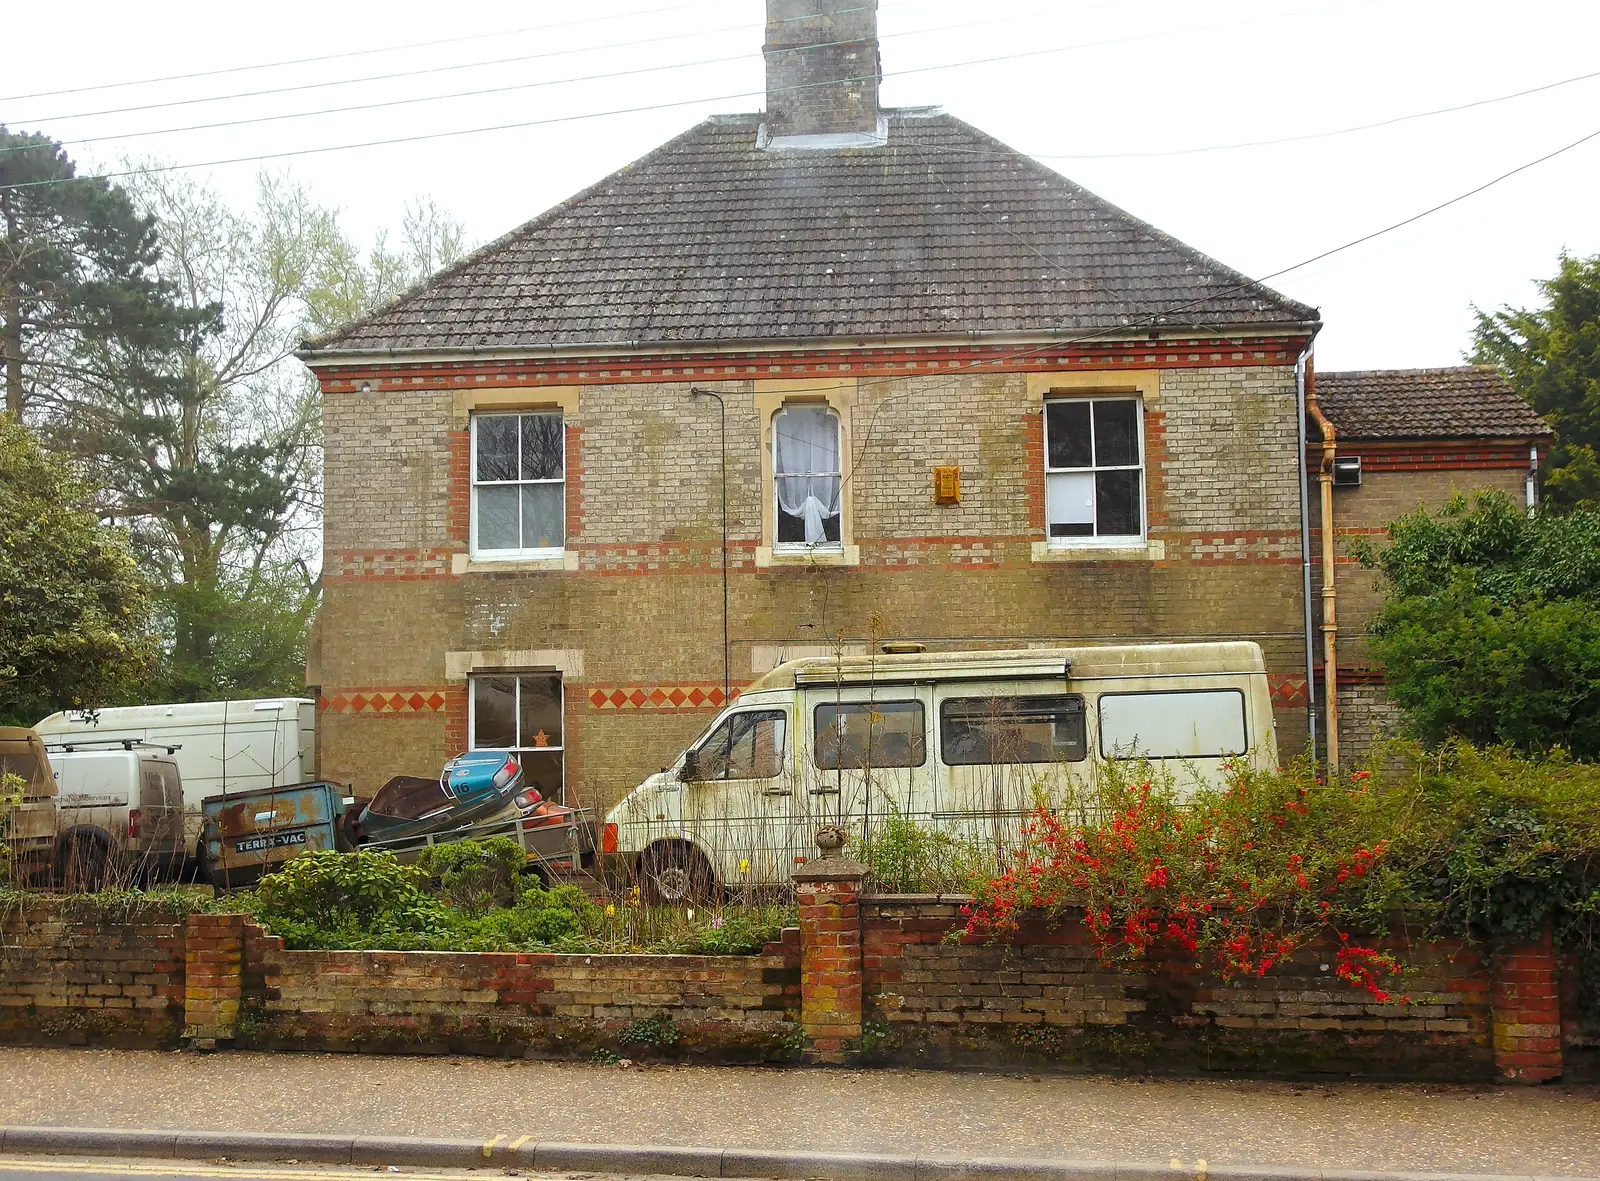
(675, 875)
(83, 863)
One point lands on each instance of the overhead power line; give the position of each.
(647, 107)
(1287, 139)
(332, 82)
(415, 73)
(508, 88)
(329, 57)
(1488, 184)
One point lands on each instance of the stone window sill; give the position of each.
(766, 558)
(1153, 551)
(467, 564)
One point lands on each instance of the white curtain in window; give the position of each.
(808, 473)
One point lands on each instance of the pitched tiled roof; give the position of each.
(942, 232)
(1462, 402)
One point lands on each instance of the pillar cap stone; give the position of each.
(830, 865)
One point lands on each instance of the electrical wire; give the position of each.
(329, 57)
(456, 67)
(1287, 139)
(1161, 318)
(516, 86)
(648, 107)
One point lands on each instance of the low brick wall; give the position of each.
(70, 976)
(865, 978)
(721, 1008)
(1043, 999)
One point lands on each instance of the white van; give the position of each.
(220, 746)
(962, 741)
(119, 813)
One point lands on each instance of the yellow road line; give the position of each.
(488, 1146)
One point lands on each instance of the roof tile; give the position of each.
(709, 239)
(1461, 402)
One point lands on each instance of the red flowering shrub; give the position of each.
(1238, 878)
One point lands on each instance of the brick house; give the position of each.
(1409, 438)
(951, 398)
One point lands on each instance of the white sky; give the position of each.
(1116, 78)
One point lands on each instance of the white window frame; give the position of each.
(800, 547)
(1108, 541)
(514, 555)
(516, 712)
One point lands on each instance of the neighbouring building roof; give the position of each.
(942, 231)
(1460, 402)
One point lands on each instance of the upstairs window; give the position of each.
(1094, 471)
(808, 480)
(519, 485)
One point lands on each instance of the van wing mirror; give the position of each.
(691, 766)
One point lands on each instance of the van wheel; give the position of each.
(675, 875)
(82, 864)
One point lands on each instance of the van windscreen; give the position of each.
(992, 730)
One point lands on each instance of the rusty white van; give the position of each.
(962, 741)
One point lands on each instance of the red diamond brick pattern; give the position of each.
(1288, 690)
(667, 697)
(384, 702)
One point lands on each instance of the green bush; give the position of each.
(1492, 629)
(329, 899)
(540, 918)
(473, 876)
(1490, 844)
(905, 857)
(451, 900)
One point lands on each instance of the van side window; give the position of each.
(745, 746)
(1199, 724)
(986, 730)
(853, 735)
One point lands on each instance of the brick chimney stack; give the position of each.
(822, 67)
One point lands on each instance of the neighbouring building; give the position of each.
(940, 393)
(1408, 439)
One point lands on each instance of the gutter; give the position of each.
(309, 351)
(1330, 619)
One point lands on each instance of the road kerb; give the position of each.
(659, 1160)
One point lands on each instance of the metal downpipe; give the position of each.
(1305, 559)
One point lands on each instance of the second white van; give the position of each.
(964, 742)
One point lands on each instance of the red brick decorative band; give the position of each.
(385, 702)
(387, 565)
(1206, 547)
(666, 697)
(1442, 455)
(655, 367)
(1257, 548)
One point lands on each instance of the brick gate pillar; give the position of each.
(213, 977)
(1527, 1011)
(828, 891)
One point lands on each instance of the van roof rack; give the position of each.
(77, 744)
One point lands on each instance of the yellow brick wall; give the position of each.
(643, 606)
